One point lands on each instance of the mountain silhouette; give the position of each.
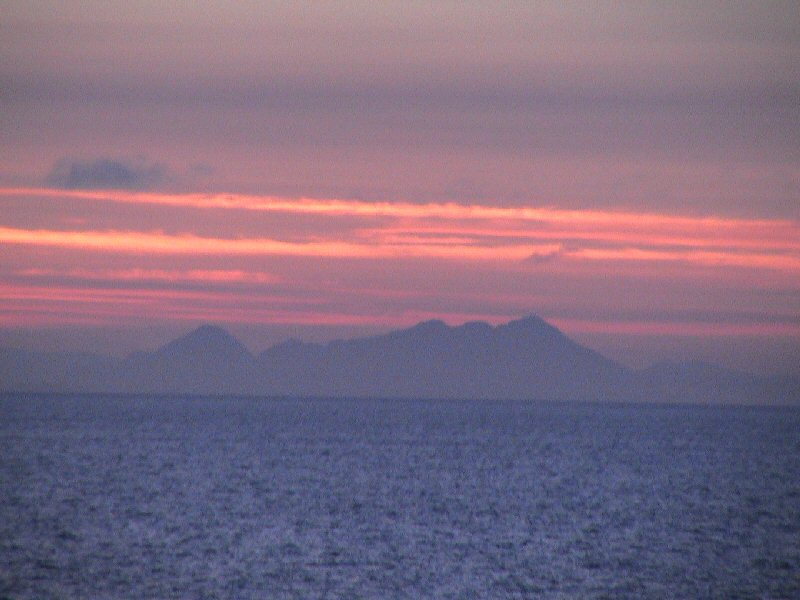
(208, 360)
(526, 358)
(205, 342)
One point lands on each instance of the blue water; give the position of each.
(106, 497)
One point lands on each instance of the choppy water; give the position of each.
(232, 498)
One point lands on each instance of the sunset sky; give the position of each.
(628, 171)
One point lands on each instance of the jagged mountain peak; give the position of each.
(206, 341)
(531, 323)
(430, 325)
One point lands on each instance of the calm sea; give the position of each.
(142, 497)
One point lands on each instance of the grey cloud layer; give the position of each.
(105, 174)
(303, 100)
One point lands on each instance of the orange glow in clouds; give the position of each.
(135, 242)
(498, 262)
(447, 211)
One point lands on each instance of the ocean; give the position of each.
(155, 497)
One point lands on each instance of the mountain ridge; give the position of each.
(524, 358)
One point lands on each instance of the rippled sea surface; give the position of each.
(139, 497)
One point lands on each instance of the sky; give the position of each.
(628, 171)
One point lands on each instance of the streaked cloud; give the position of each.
(145, 275)
(95, 257)
(146, 243)
(385, 230)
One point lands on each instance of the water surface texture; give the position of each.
(110, 497)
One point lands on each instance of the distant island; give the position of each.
(523, 359)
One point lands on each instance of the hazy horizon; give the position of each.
(256, 343)
(630, 172)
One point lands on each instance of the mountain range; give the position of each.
(523, 359)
